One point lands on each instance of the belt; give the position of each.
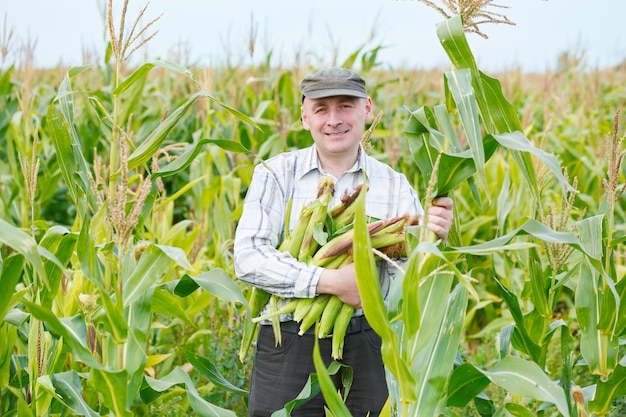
(357, 324)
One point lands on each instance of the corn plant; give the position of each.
(420, 348)
(85, 295)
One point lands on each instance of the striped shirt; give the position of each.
(295, 176)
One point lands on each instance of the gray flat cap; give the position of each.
(333, 82)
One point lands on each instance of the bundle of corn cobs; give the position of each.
(323, 237)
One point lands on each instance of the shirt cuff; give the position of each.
(306, 288)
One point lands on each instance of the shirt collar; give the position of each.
(310, 162)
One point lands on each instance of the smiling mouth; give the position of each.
(336, 133)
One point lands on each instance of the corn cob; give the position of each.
(339, 330)
(293, 244)
(317, 219)
(329, 316)
(302, 307)
(343, 242)
(334, 316)
(275, 321)
(343, 214)
(315, 312)
(287, 308)
(293, 241)
(258, 299)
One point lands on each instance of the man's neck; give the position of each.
(337, 165)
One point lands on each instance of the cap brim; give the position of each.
(330, 92)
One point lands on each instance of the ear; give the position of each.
(304, 119)
(369, 107)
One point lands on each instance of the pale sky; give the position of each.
(213, 32)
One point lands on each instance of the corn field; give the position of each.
(120, 190)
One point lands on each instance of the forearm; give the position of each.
(263, 266)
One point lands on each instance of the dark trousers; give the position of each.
(280, 372)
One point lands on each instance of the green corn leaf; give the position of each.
(8, 335)
(569, 355)
(151, 144)
(86, 250)
(143, 71)
(153, 387)
(526, 379)
(25, 245)
(607, 391)
(495, 110)
(311, 389)
(597, 315)
(183, 161)
(504, 203)
(72, 330)
(373, 303)
(522, 339)
(59, 241)
(459, 168)
(427, 144)
(106, 121)
(443, 119)
(538, 283)
(539, 231)
(425, 141)
(112, 385)
(435, 362)
(154, 262)
(333, 401)
(593, 231)
(599, 350)
(434, 289)
(68, 387)
(411, 314)
(460, 86)
(163, 302)
(67, 144)
(112, 318)
(10, 275)
(216, 282)
(207, 369)
(518, 410)
(179, 193)
(497, 113)
(516, 141)
(466, 382)
(139, 321)
(620, 287)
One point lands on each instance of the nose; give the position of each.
(334, 118)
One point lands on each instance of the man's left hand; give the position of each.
(440, 217)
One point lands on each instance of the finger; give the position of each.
(445, 202)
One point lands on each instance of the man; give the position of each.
(335, 108)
